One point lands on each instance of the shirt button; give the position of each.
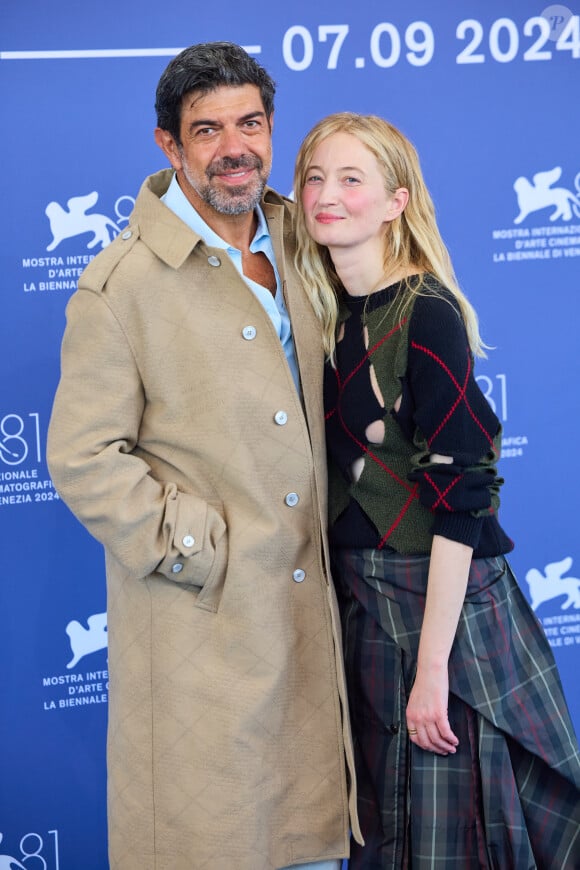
(188, 541)
(214, 261)
(281, 418)
(249, 332)
(299, 575)
(292, 499)
(127, 234)
(177, 568)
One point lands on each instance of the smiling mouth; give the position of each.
(234, 171)
(324, 218)
(235, 177)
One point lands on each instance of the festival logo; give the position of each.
(24, 479)
(80, 688)
(76, 236)
(541, 199)
(84, 641)
(74, 221)
(539, 194)
(42, 848)
(8, 862)
(554, 584)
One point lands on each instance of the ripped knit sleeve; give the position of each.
(457, 435)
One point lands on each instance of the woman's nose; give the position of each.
(327, 194)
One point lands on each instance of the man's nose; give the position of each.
(232, 142)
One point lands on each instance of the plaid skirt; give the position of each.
(509, 798)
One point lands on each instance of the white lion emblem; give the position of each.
(87, 640)
(74, 222)
(538, 194)
(553, 584)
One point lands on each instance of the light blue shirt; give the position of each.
(274, 306)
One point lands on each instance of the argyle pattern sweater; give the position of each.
(415, 374)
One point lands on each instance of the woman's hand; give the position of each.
(427, 722)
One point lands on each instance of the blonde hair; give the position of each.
(412, 240)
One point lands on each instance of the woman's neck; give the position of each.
(360, 273)
(361, 277)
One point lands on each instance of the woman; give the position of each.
(466, 755)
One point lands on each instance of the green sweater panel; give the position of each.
(384, 491)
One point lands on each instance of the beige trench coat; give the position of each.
(228, 744)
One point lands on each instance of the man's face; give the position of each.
(225, 155)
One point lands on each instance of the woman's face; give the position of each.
(344, 198)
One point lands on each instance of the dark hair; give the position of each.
(203, 68)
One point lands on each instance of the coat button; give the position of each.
(299, 575)
(177, 568)
(292, 499)
(188, 541)
(127, 234)
(281, 418)
(214, 261)
(249, 332)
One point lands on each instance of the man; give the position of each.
(185, 440)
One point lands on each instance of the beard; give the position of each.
(234, 199)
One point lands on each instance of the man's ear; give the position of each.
(397, 203)
(169, 147)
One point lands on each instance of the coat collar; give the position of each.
(171, 240)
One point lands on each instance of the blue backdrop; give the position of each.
(488, 92)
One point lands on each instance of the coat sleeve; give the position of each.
(94, 458)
